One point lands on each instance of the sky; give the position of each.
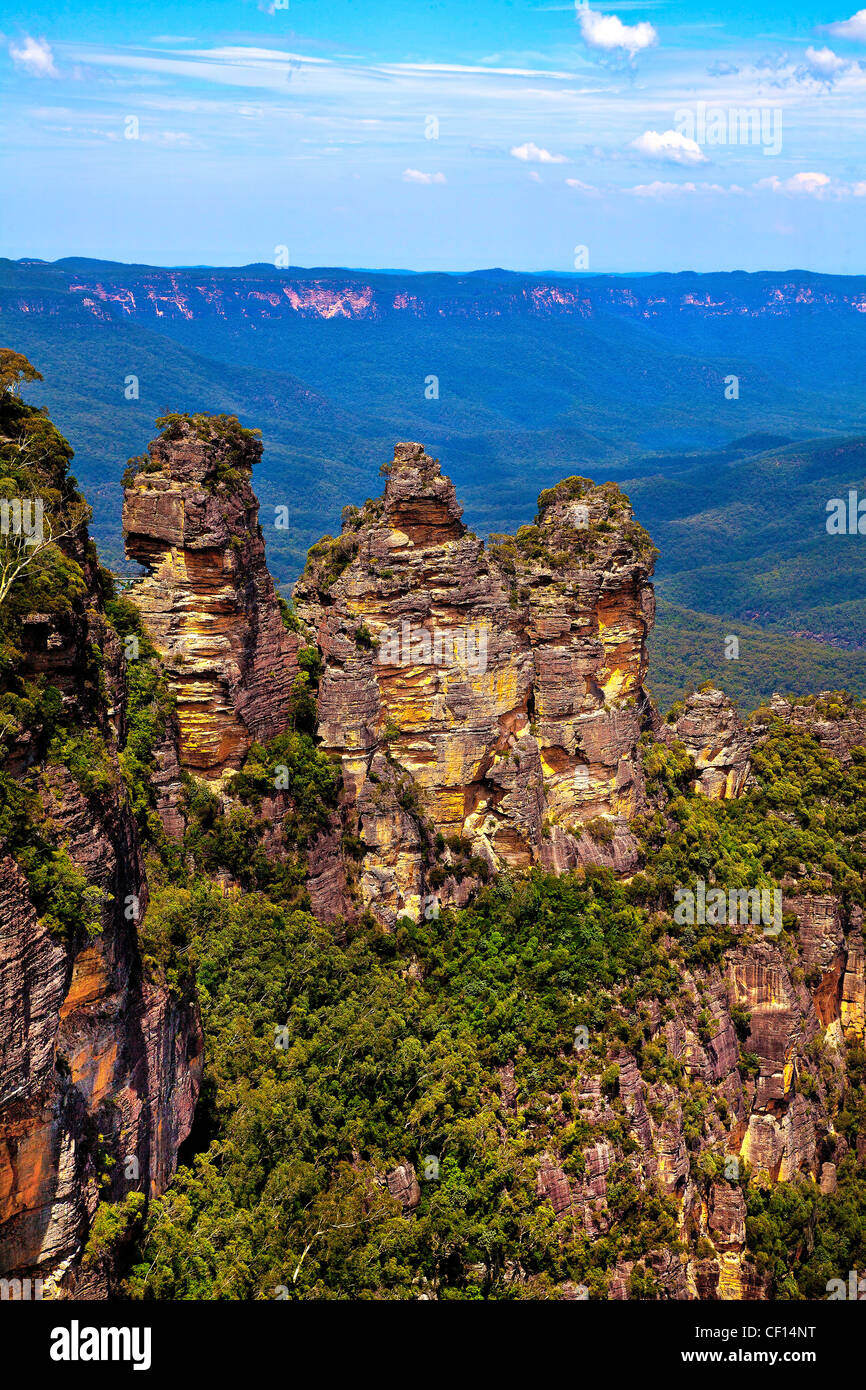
(451, 135)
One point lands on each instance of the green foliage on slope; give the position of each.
(332, 1057)
(688, 648)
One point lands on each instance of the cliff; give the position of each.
(491, 695)
(261, 294)
(99, 1068)
(209, 603)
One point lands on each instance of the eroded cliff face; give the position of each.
(494, 693)
(191, 517)
(711, 731)
(99, 1069)
(801, 1006)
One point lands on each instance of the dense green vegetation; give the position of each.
(34, 464)
(334, 1055)
(688, 648)
(42, 577)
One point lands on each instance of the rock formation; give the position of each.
(190, 517)
(494, 692)
(99, 1069)
(710, 729)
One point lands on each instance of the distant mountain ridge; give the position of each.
(261, 291)
(729, 406)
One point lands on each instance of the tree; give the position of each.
(18, 550)
(15, 368)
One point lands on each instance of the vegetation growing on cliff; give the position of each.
(236, 448)
(37, 572)
(334, 1057)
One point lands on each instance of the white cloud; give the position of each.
(33, 56)
(670, 147)
(820, 65)
(416, 176)
(660, 189)
(823, 62)
(535, 155)
(587, 189)
(608, 34)
(853, 28)
(813, 185)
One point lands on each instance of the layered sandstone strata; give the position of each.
(99, 1068)
(191, 518)
(710, 729)
(493, 692)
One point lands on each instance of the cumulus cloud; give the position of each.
(606, 33)
(670, 147)
(823, 62)
(33, 56)
(416, 176)
(853, 28)
(813, 185)
(535, 155)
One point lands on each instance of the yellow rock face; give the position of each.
(505, 681)
(208, 602)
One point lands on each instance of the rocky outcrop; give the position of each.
(209, 603)
(402, 1183)
(710, 729)
(492, 695)
(834, 718)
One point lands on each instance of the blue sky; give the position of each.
(439, 135)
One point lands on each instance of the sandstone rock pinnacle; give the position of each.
(191, 518)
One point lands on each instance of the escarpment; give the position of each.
(99, 1066)
(496, 692)
(191, 518)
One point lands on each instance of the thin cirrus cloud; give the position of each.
(588, 190)
(853, 28)
(34, 57)
(606, 33)
(802, 185)
(819, 66)
(418, 176)
(533, 154)
(669, 147)
(661, 189)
